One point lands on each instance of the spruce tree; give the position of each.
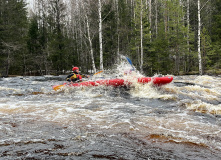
(13, 31)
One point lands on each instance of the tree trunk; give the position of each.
(90, 43)
(141, 37)
(199, 28)
(188, 32)
(89, 39)
(156, 18)
(150, 20)
(165, 19)
(100, 35)
(8, 63)
(118, 36)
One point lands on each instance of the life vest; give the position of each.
(74, 77)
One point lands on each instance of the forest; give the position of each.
(176, 37)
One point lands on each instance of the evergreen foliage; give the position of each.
(13, 33)
(55, 37)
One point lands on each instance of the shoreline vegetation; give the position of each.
(160, 36)
(55, 73)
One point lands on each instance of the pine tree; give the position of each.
(13, 30)
(170, 44)
(56, 35)
(215, 56)
(206, 49)
(34, 48)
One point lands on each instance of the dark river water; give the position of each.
(181, 120)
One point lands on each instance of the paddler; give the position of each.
(75, 76)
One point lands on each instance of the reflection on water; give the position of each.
(181, 120)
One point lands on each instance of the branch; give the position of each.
(106, 16)
(11, 45)
(204, 5)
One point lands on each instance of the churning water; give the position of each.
(181, 120)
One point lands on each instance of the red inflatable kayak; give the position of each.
(158, 81)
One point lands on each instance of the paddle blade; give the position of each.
(128, 59)
(57, 87)
(98, 72)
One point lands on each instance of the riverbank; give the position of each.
(207, 72)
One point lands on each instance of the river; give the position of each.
(181, 120)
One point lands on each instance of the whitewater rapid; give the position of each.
(181, 120)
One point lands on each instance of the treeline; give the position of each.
(159, 36)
